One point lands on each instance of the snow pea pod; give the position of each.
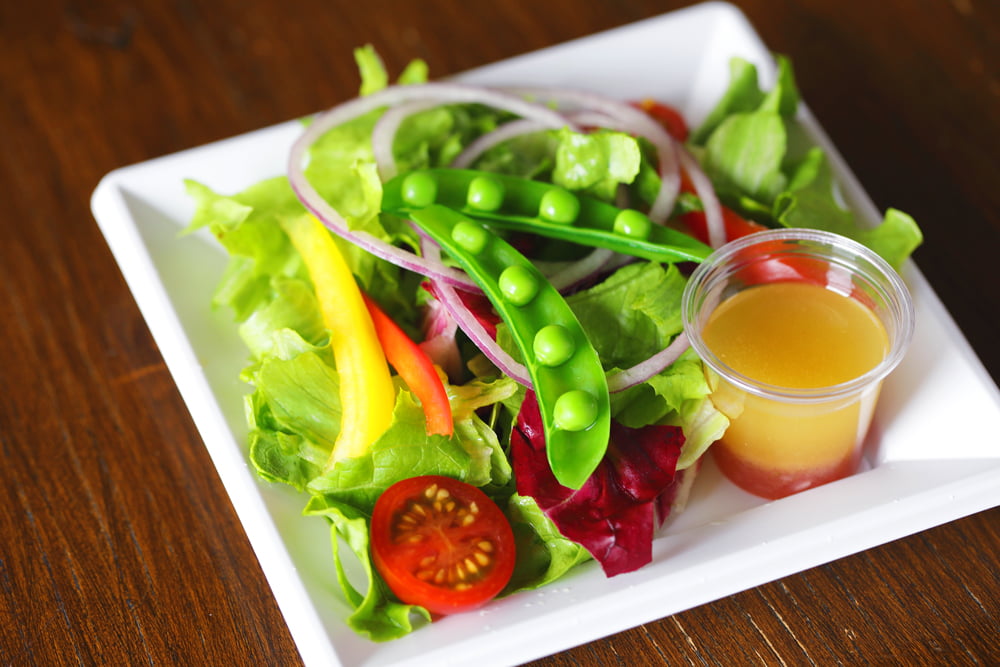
(565, 370)
(520, 204)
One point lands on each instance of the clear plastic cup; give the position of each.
(797, 431)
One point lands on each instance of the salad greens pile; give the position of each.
(762, 167)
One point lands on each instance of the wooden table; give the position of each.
(118, 544)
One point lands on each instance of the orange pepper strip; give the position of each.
(367, 396)
(416, 369)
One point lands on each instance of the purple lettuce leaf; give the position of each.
(613, 514)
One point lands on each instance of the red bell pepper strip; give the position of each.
(416, 369)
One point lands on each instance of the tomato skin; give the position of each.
(776, 269)
(431, 553)
(735, 225)
(671, 119)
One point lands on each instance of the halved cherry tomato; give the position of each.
(441, 543)
(671, 119)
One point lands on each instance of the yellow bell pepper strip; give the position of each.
(416, 369)
(367, 396)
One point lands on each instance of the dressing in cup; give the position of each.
(796, 330)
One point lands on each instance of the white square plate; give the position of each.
(933, 454)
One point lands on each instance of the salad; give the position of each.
(462, 312)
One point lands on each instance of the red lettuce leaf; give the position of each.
(612, 515)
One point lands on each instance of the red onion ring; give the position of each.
(505, 132)
(468, 323)
(709, 201)
(384, 134)
(626, 119)
(567, 277)
(621, 380)
(444, 93)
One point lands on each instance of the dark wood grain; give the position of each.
(118, 544)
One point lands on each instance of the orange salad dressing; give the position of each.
(794, 335)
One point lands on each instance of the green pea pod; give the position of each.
(565, 370)
(520, 204)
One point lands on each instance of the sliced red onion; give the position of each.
(443, 93)
(520, 127)
(577, 272)
(641, 372)
(406, 259)
(624, 117)
(505, 132)
(709, 201)
(468, 323)
(384, 134)
(587, 118)
(439, 329)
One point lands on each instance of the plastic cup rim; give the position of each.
(898, 296)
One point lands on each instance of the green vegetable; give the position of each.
(540, 208)
(553, 345)
(485, 193)
(572, 395)
(763, 165)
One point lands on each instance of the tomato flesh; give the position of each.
(441, 543)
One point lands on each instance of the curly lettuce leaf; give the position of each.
(810, 202)
(764, 166)
(632, 314)
(375, 77)
(376, 613)
(744, 156)
(742, 94)
(544, 554)
(596, 162)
